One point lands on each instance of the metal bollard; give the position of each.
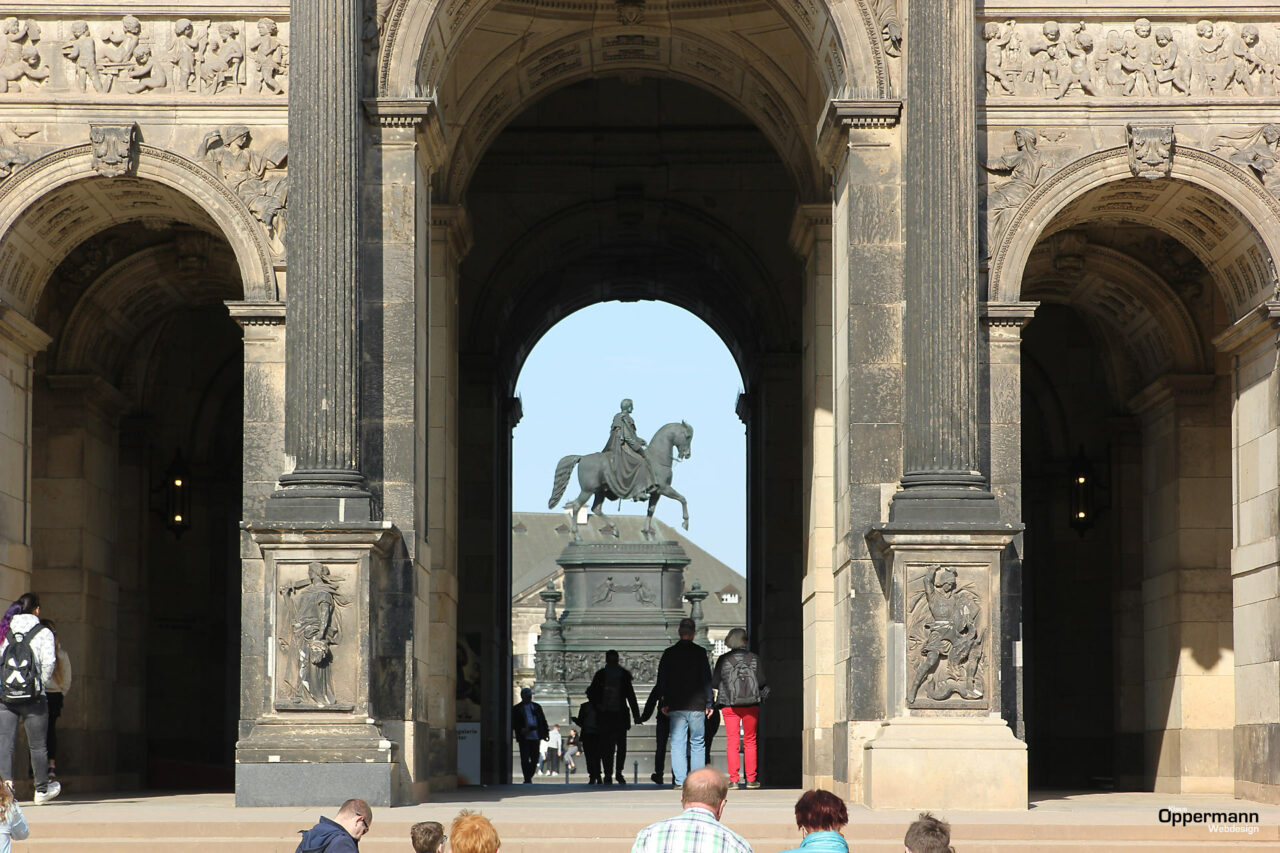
(635, 773)
(566, 773)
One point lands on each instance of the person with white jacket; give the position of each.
(23, 618)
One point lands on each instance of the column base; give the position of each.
(951, 764)
(318, 764)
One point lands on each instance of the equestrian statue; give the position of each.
(627, 468)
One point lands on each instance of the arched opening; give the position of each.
(567, 401)
(631, 188)
(1127, 497)
(136, 408)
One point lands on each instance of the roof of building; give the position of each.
(537, 538)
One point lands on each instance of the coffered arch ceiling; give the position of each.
(776, 64)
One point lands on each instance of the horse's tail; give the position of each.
(563, 470)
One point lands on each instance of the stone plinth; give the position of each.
(626, 596)
(308, 732)
(944, 745)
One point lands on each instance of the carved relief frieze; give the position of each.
(582, 666)
(1256, 150)
(1036, 154)
(1166, 59)
(14, 153)
(140, 55)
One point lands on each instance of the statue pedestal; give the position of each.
(626, 596)
(945, 745)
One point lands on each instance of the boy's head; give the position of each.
(472, 833)
(427, 837)
(928, 835)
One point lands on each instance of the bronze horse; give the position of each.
(667, 440)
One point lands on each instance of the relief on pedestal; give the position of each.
(309, 633)
(606, 589)
(136, 56)
(946, 637)
(582, 666)
(1113, 59)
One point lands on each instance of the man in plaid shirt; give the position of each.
(698, 829)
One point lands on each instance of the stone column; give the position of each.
(1186, 585)
(323, 376)
(941, 554)
(1251, 343)
(811, 240)
(940, 457)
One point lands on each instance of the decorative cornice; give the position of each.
(1008, 314)
(256, 313)
(453, 219)
(845, 114)
(808, 219)
(1245, 331)
(17, 328)
(400, 112)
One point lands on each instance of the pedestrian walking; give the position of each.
(571, 747)
(27, 659)
(612, 691)
(662, 733)
(55, 690)
(588, 721)
(555, 742)
(529, 725)
(740, 688)
(686, 695)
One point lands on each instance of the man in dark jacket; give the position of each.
(588, 722)
(529, 725)
(340, 835)
(612, 692)
(685, 677)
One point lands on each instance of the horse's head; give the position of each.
(683, 442)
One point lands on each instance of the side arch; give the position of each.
(1242, 270)
(41, 221)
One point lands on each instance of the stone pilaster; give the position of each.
(323, 376)
(941, 479)
(20, 341)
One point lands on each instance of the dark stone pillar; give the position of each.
(323, 345)
(940, 456)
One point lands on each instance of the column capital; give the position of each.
(29, 337)
(256, 313)
(452, 221)
(844, 115)
(1250, 329)
(412, 121)
(808, 225)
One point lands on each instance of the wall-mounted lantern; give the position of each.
(1082, 493)
(177, 495)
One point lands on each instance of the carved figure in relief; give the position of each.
(185, 52)
(1137, 63)
(997, 38)
(223, 61)
(28, 66)
(1173, 72)
(944, 629)
(1026, 166)
(1047, 56)
(1258, 153)
(1212, 67)
(146, 74)
(15, 36)
(1110, 63)
(125, 42)
(10, 160)
(314, 626)
(253, 176)
(1080, 66)
(270, 56)
(83, 53)
(1250, 65)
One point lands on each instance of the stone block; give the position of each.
(1256, 637)
(319, 785)
(875, 454)
(931, 763)
(875, 393)
(875, 334)
(1257, 693)
(1208, 702)
(1254, 586)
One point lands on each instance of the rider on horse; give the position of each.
(629, 473)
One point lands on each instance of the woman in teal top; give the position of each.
(821, 815)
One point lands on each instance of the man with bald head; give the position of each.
(340, 835)
(698, 828)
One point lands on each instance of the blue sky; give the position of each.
(687, 374)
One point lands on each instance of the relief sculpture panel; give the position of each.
(137, 55)
(946, 636)
(314, 638)
(1130, 59)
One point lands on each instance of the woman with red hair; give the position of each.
(821, 815)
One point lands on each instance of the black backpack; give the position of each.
(739, 686)
(20, 670)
